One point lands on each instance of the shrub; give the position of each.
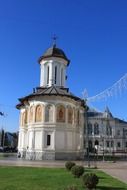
(90, 180)
(69, 165)
(77, 171)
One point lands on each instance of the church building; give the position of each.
(52, 118)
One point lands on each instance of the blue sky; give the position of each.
(93, 34)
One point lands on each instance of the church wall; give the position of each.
(38, 140)
(30, 139)
(69, 140)
(60, 140)
(49, 132)
(43, 122)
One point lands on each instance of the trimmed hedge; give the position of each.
(77, 171)
(69, 165)
(90, 180)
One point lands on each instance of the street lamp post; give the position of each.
(87, 135)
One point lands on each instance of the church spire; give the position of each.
(54, 38)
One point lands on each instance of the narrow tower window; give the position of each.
(62, 77)
(48, 140)
(55, 74)
(48, 75)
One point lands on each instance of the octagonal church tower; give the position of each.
(51, 118)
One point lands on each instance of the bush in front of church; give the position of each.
(90, 180)
(77, 171)
(69, 165)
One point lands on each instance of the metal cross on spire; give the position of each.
(54, 39)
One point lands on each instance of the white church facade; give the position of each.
(52, 118)
(55, 124)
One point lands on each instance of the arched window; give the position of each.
(109, 130)
(118, 144)
(96, 142)
(24, 118)
(96, 129)
(90, 146)
(47, 74)
(55, 74)
(60, 113)
(38, 113)
(118, 132)
(31, 114)
(112, 143)
(62, 77)
(70, 115)
(89, 129)
(77, 117)
(49, 113)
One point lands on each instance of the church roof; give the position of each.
(120, 120)
(92, 112)
(54, 52)
(53, 90)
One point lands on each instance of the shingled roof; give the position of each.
(50, 91)
(54, 52)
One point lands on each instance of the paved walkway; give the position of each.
(117, 170)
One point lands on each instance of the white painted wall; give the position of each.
(52, 63)
(64, 137)
(38, 140)
(60, 140)
(30, 140)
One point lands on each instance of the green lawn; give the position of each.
(22, 178)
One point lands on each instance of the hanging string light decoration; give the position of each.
(115, 90)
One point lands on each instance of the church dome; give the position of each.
(54, 52)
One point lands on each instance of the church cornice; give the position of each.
(50, 91)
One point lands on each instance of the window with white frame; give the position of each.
(118, 144)
(89, 128)
(48, 75)
(96, 129)
(107, 143)
(48, 140)
(118, 132)
(55, 74)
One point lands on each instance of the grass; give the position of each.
(24, 178)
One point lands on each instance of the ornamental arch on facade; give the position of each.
(24, 118)
(31, 114)
(39, 113)
(60, 113)
(78, 117)
(69, 114)
(49, 112)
